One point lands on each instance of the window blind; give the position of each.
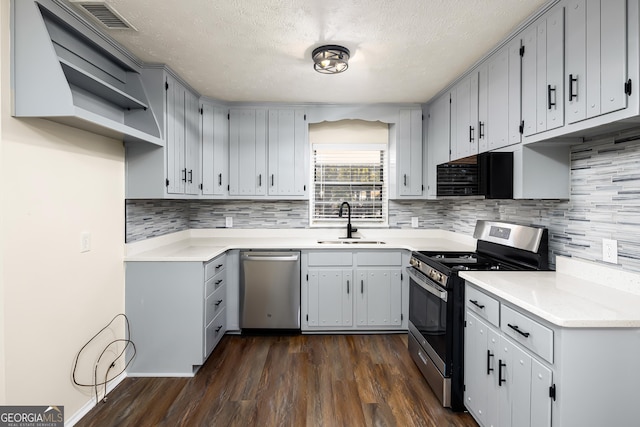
(353, 173)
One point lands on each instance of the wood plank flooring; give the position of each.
(303, 380)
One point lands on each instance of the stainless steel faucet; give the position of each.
(350, 229)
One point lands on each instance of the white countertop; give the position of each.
(580, 294)
(205, 244)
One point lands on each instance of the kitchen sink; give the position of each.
(350, 242)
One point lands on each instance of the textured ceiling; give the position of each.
(260, 50)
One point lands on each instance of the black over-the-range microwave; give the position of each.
(487, 174)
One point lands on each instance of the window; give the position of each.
(353, 173)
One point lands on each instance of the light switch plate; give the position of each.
(85, 241)
(610, 251)
(414, 222)
(228, 222)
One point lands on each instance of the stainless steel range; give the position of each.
(436, 298)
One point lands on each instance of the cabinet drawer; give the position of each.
(214, 267)
(485, 306)
(214, 304)
(215, 283)
(214, 332)
(330, 258)
(528, 332)
(378, 258)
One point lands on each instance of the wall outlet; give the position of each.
(610, 251)
(414, 222)
(228, 222)
(85, 241)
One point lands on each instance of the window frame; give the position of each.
(356, 222)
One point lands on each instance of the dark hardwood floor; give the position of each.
(304, 380)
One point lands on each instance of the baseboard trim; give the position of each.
(71, 421)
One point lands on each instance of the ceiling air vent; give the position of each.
(103, 13)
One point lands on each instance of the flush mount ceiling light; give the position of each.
(330, 59)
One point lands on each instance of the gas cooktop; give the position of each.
(458, 261)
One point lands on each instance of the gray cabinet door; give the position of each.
(476, 363)
(496, 130)
(330, 298)
(514, 366)
(529, 80)
(215, 150)
(483, 106)
(175, 136)
(409, 152)
(438, 135)
(515, 67)
(553, 99)
(378, 297)
(247, 152)
(182, 140)
(464, 117)
(613, 59)
(287, 152)
(541, 381)
(596, 57)
(542, 74)
(576, 59)
(192, 144)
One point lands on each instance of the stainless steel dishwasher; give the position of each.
(270, 290)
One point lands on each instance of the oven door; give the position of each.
(428, 318)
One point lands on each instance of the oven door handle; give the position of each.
(439, 292)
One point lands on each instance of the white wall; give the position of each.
(3, 95)
(57, 182)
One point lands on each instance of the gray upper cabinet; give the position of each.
(182, 139)
(408, 154)
(438, 134)
(464, 117)
(287, 152)
(248, 152)
(215, 149)
(515, 94)
(499, 99)
(268, 153)
(543, 74)
(596, 57)
(69, 72)
(494, 133)
(173, 170)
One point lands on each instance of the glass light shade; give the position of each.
(330, 59)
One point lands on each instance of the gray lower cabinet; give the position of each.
(177, 313)
(522, 371)
(353, 291)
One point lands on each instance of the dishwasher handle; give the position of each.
(270, 257)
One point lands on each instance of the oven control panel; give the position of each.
(430, 272)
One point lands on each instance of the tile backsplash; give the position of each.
(604, 203)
